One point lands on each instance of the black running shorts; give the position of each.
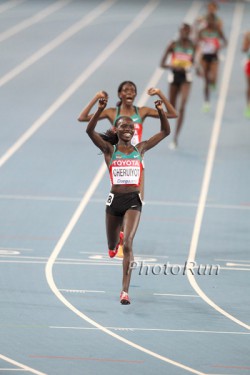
(210, 57)
(179, 77)
(118, 204)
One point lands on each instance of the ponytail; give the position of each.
(110, 136)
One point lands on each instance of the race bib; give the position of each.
(110, 199)
(126, 171)
(210, 46)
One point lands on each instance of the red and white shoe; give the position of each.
(121, 235)
(124, 298)
(112, 253)
(120, 248)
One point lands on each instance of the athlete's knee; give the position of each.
(127, 244)
(182, 107)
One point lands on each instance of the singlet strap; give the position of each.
(136, 149)
(137, 111)
(117, 115)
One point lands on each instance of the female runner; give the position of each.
(182, 52)
(246, 49)
(124, 161)
(127, 92)
(209, 40)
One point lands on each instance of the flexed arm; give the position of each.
(163, 133)
(164, 60)
(84, 115)
(171, 112)
(96, 138)
(151, 112)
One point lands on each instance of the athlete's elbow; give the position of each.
(89, 131)
(172, 115)
(166, 133)
(82, 119)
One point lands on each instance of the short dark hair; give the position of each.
(122, 117)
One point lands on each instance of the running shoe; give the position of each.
(121, 235)
(124, 298)
(112, 253)
(172, 146)
(247, 112)
(120, 248)
(213, 86)
(206, 107)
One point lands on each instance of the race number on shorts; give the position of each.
(110, 199)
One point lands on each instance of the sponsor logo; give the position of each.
(126, 163)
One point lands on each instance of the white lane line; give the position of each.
(227, 69)
(10, 4)
(103, 263)
(8, 253)
(23, 261)
(96, 257)
(61, 263)
(58, 259)
(234, 269)
(67, 34)
(232, 260)
(101, 58)
(41, 198)
(101, 200)
(16, 248)
(195, 204)
(141, 255)
(24, 367)
(34, 19)
(49, 266)
(176, 295)
(229, 206)
(155, 330)
(237, 265)
(81, 291)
